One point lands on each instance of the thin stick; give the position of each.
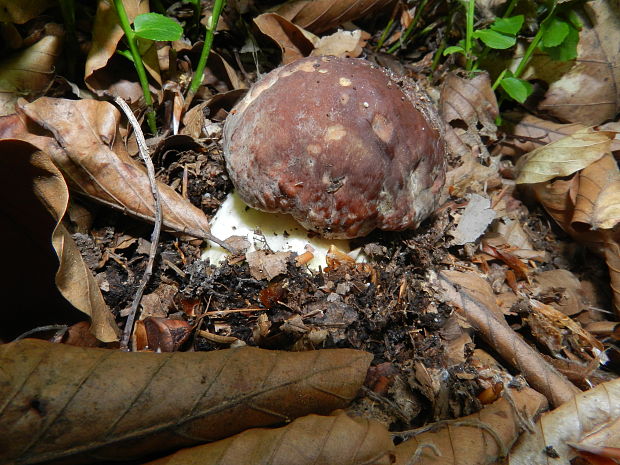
(144, 154)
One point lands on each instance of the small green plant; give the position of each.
(154, 26)
(147, 26)
(557, 36)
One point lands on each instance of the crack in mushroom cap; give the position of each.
(341, 145)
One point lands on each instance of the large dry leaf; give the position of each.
(85, 131)
(478, 439)
(311, 440)
(589, 93)
(293, 41)
(565, 156)
(28, 72)
(321, 15)
(59, 402)
(101, 73)
(474, 299)
(582, 419)
(35, 185)
(19, 12)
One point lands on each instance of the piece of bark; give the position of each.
(62, 404)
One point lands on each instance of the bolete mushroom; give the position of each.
(340, 144)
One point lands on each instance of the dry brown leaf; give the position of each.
(346, 44)
(586, 415)
(474, 299)
(561, 288)
(478, 439)
(68, 403)
(264, 265)
(311, 440)
(35, 185)
(102, 64)
(589, 92)
(565, 156)
(85, 131)
(28, 72)
(598, 199)
(292, 40)
(321, 15)
(19, 12)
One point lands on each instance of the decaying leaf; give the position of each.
(474, 220)
(70, 403)
(264, 265)
(84, 134)
(321, 15)
(294, 42)
(474, 299)
(34, 185)
(310, 440)
(581, 420)
(561, 288)
(29, 72)
(565, 156)
(478, 439)
(23, 10)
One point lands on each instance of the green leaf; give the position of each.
(494, 39)
(510, 26)
(453, 49)
(567, 50)
(574, 19)
(517, 88)
(555, 32)
(154, 26)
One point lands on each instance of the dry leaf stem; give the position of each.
(144, 154)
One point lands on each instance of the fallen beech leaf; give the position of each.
(561, 288)
(35, 185)
(294, 42)
(473, 221)
(321, 15)
(588, 414)
(474, 299)
(565, 156)
(107, 34)
(598, 199)
(85, 131)
(347, 44)
(479, 439)
(311, 440)
(73, 404)
(28, 72)
(22, 11)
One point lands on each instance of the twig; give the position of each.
(144, 154)
(60, 330)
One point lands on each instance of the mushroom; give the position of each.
(340, 144)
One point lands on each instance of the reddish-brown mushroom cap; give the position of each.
(338, 143)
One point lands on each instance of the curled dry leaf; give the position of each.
(565, 156)
(597, 197)
(101, 72)
(589, 418)
(346, 44)
(22, 11)
(479, 439)
(311, 440)
(84, 133)
(72, 404)
(322, 15)
(474, 299)
(294, 42)
(28, 72)
(35, 185)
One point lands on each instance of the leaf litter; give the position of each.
(439, 316)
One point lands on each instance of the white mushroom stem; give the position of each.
(275, 231)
